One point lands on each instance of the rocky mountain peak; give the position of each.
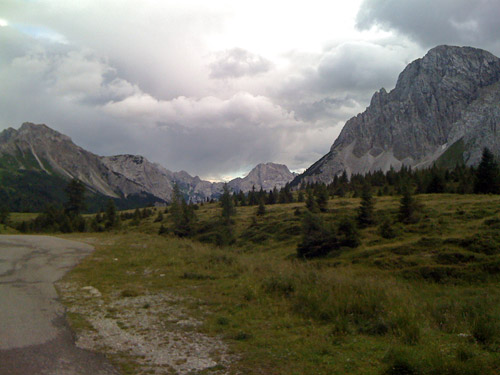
(265, 176)
(30, 131)
(415, 122)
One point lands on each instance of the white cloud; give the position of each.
(242, 109)
(238, 62)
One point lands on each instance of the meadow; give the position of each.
(426, 301)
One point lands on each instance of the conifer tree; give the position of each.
(347, 233)
(321, 193)
(75, 191)
(311, 203)
(365, 214)
(111, 218)
(487, 175)
(261, 210)
(227, 205)
(408, 207)
(318, 239)
(175, 209)
(184, 227)
(300, 197)
(252, 197)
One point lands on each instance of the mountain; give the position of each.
(444, 109)
(36, 161)
(265, 176)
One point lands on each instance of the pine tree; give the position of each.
(227, 205)
(321, 193)
(111, 218)
(184, 227)
(300, 197)
(347, 233)
(408, 207)
(242, 198)
(365, 215)
(386, 229)
(318, 239)
(261, 210)
(487, 175)
(136, 217)
(311, 203)
(175, 209)
(75, 191)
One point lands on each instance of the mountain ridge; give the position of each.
(436, 102)
(42, 149)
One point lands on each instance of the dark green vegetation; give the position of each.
(33, 190)
(440, 178)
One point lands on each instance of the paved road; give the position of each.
(34, 336)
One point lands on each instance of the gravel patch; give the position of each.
(153, 330)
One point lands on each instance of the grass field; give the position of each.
(424, 302)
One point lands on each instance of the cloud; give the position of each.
(203, 87)
(436, 22)
(83, 95)
(358, 66)
(158, 45)
(73, 74)
(238, 62)
(338, 83)
(242, 109)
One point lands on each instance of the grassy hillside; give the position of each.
(424, 302)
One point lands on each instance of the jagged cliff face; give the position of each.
(38, 147)
(449, 96)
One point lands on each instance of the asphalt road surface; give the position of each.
(34, 336)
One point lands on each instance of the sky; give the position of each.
(216, 87)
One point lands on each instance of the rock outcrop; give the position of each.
(448, 97)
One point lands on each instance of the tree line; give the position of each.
(485, 178)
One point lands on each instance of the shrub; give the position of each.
(485, 329)
(348, 233)
(317, 238)
(386, 230)
(401, 362)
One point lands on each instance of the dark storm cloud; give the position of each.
(238, 62)
(438, 21)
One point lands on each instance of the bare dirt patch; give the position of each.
(152, 333)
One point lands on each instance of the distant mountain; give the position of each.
(265, 176)
(445, 109)
(36, 161)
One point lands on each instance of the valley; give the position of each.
(382, 258)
